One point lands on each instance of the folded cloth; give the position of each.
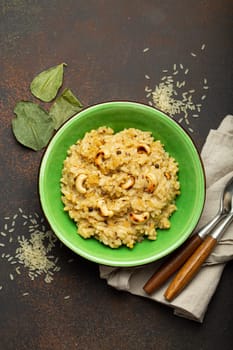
(192, 303)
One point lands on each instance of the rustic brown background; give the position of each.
(102, 42)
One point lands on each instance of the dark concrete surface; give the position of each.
(102, 42)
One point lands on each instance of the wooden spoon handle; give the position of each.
(190, 268)
(172, 264)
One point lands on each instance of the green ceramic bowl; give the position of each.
(120, 115)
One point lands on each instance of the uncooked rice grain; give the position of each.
(32, 253)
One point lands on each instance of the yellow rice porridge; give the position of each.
(119, 187)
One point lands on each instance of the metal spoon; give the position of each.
(193, 264)
(185, 251)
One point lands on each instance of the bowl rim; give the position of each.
(101, 260)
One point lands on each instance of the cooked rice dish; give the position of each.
(119, 188)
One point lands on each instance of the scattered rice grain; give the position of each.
(31, 252)
(146, 49)
(17, 269)
(57, 269)
(67, 297)
(48, 279)
(147, 89)
(170, 97)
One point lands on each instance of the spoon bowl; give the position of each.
(227, 198)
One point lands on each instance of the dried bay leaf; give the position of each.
(32, 126)
(64, 107)
(45, 85)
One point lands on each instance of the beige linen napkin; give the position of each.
(192, 303)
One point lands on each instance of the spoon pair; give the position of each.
(195, 251)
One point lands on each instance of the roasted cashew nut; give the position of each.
(129, 182)
(100, 157)
(143, 148)
(139, 218)
(79, 183)
(152, 182)
(103, 208)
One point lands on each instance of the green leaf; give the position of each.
(64, 107)
(45, 85)
(32, 126)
